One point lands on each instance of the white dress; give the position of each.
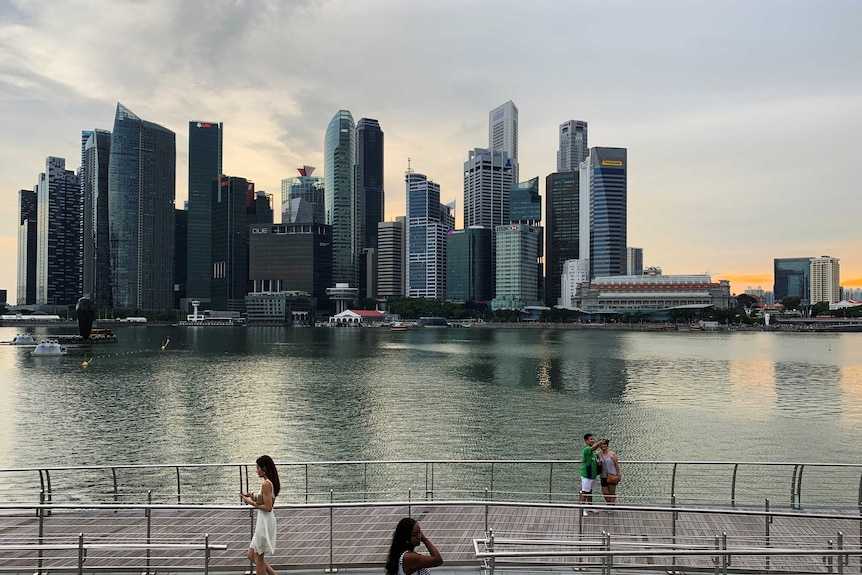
(263, 540)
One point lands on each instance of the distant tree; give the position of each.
(368, 303)
(746, 300)
(791, 302)
(820, 309)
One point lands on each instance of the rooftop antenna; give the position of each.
(409, 169)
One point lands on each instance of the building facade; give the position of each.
(59, 224)
(390, 258)
(340, 197)
(563, 228)
(141, 194)
(428, 222)
(825, 280)
(488, 177)
(229, 229)
(303, 198)
(792, 277)
(576, 273)
(517, 273)
(27, 210)
(608, 216)
(525, 203)
(369, 179)
(653, 294)
(468, 265)
(503, 133)
(205, 166)
(574, 147)
(634, 261)
(96, 266)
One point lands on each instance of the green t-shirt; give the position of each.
(588, 463)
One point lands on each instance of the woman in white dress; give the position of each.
(263, 542)
(403, 560)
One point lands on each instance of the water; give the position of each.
(301, 394)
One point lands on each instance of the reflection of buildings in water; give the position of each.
(805, 392)
(752, 386)
(851, 386)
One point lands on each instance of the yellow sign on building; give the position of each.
(616, 163)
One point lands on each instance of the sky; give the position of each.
(741, 118)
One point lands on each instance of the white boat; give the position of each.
(24, 339)
(49, 348)
(399, 326)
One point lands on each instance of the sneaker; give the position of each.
(586, 513)
(595, 510)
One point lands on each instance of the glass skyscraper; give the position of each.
(205, 166)
(573, 146)
(96, 235)
(468, 265)
(792, 278)
(428, 222)
(369, 178)
(230, 226)
(340, 196)
(141, 194)
(503, 133)
(562, 222)
(59, 227)
(303, 198)
(27, 209)
(608, 211)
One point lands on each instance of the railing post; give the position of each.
(606, 560)
(725, 559)
(81, 554)
(49, 494)
(179, 490)
(148, 514)
(409, 501)
(306, 483)
(673, 517)
(487, 509)
(365, 482)
(206, 554)
(673, 482)
(768, 523)
(41, 513)
(492, 483)
(716, 560)
(332, 568)
(490, 537)
(733, 486)
(551, 484)
(116, 489)
(842, 559)
(828, 558)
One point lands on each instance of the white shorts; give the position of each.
(587, 485)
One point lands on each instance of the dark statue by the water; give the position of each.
(86, 313)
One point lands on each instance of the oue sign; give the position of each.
(259, 230)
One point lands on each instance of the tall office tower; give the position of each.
(390, 258)
(27, 210)
(205, 166)
(181, 260)
(562, 222)
(59, 222)
(525, 203)
(258, 206)
(468, 265)
(369, 178)
(634, 261)
(517, 281)
(825, 280)
(503, 133)
(573, 146)
(96, 227)
(141, 192)
(792, 277)
(340, 160)
(303, 198)
(488, 176)
(428, 222)
(230, 231)
(608, 211)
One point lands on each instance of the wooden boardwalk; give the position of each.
(317, 538)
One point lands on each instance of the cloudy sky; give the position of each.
(741, 118)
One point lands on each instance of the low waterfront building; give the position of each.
(280, 308)
(652, 294)
(357, 317)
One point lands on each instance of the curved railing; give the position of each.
(786, 484)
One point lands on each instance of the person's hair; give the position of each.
(270, 472)
(400, 544)
(587, 436)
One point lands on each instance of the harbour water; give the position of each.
(224, 394)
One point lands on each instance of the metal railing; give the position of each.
(694, 482)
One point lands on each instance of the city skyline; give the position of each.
(721, 108)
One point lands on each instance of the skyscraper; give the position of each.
(525, 203)
(488, 175)
(141, 193)
(573, 146)
(205, 166)
(517, 275)
(468, 265)
(230, 231)
(369, 178)
(634, 261)
(825, 280)
(503, 133)
(563, 223)
(303, 198)
(27, 210)
(792, 277)
(340, 197)
(608, 211)
(390, 252)
(96, 227)
(428, 221)
(58, 239)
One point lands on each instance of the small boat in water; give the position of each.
(24, 339)
(399, 326)
(49, 348)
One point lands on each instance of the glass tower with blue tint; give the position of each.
(141, 194)
(428, 222)
(339, 151)
(608, 211)
(562, 224)
(792, 278)
(205, 166)
(97, 249)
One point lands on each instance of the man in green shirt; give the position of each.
(589, 469)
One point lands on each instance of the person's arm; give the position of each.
(414, 561)
(616, 462)
(597, 445)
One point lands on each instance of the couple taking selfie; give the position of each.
(598, 462)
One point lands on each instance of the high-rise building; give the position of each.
(563, 228)
(576, 273)
(517, 279)
(230, 231)
(825, 280)
(468, 265)
(792, 277)
(340, 197)
(181, 260)
(369, 178)
(27, 210)
(428, 222)
(205, 166)
(58, 238)
(607, 171)
(303, 198)
(573, 146)
(488, 176)
(96, 227)
(141, 193)
(390, 258)
(503, 133)
(525, 203)
(634, 261)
